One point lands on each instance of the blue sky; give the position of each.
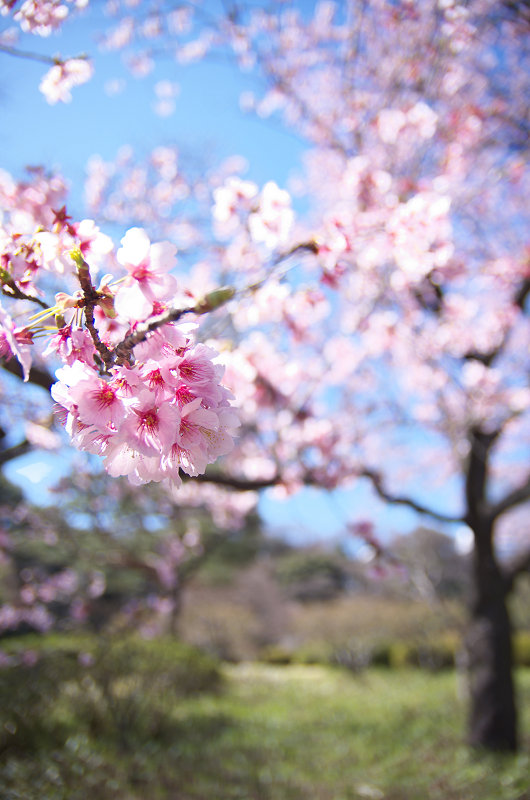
(207, 121)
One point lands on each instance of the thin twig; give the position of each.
(18, 294)
(30, 56)
(91, 299)
(122, 351)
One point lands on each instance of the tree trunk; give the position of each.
(492, 718)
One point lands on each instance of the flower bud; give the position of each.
(214, 299)
(82, 267)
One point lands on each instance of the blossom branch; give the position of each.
(238, 484)
(377, 483)
(16, 451)
(209, 302)
(515, 498)
(28, 55)
(10, 289)
(37, 375)
(519, 302)
(309, 247)
(91, 299)
(122, 351)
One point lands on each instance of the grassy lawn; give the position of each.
(285, 733)
(311, 732)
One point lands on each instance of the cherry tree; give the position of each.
(382, 337)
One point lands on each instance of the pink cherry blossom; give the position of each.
(151, 427)
(60, 79)
(41, 17)
(155, 417)
(14, 343)
(232, 201)
(72, 343)
(273, 219)
(148, 280)
(94, 244)
(98, 403)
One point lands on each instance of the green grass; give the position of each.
(285, 733)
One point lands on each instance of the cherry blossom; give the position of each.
(148, 280)
(271, 221)
(137, 418)
(15, 342)
(56, 85)
(41, 17)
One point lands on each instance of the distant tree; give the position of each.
(310, 574)
(434, 567)
(107, 557)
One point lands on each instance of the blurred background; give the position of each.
(293, 624)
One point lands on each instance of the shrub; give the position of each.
(133, 684)
(313, 653)
(381, 655)
(438, 652)
(353, 657)
(433, 654)
(522, 648)
(28, 695)
(120, 688)
(276, 654)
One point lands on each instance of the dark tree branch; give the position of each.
(522, 294)
(487, 358)
(91, 299)
(10, 289)
(514, 498)
(17, 450)
(122, 351)
(377, 483)
(231, 482)
(28, 55)
(518, 9)
(476, 474)
(38, 375)
(243, 484)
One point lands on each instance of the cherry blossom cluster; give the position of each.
(58, 82)
(40, 17)
(165, 413)
(134, 387)
(267, 214)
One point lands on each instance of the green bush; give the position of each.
(132, 685)
(381, 655)
(28, 695)
(352, 656)
(437, 652)
(124, 688)
(162, 662)
(522, 648)
(434, 654)
(401, 654)
(313, 653)
(276, 654)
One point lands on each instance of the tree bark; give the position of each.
(492, 713)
